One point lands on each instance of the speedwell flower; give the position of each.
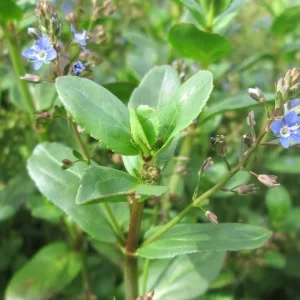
(40, 53)
(287, 129)
(78, 67)
(79, 38)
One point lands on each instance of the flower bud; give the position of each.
(67, 163)
(213, 219)
(268, 180)
(31, 78)
(247, 140)
(257, 95)
(245, 189)
(48, 19)
(219, 144)
(149, 296)
(206, 165)
(295, 90)
(34, 33)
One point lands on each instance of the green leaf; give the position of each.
(274, 259)
(34, 281)
(184, 238)
(78, 155)
(229, 14)
(156, 88)
(185, 106)
(17, 192)
(60, 187)
(138, 133)
(278, 202)
(236, 102)
(149, 121)
(101, 184)
(196, 11)
(98, 111)
(43, 209)
(9, 11)
(185, 277)
(287, 21)
(200, 45)
(284, 165)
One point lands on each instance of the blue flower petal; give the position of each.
(284, 142)
(30, 53)
(295, 137)
(290, 118)
(44, 43)
(51, 54)
(37, 64)
(295, 102)
(276, 126)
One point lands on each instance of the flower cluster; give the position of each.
(45, 48)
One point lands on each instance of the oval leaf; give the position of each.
(34, 281)
(101, 184)
(184, 278)
(184, 238)
(60, 187)
(193, 43)
(156, 88)
(98, 111)
(185, 106)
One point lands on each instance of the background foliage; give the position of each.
(245, 44)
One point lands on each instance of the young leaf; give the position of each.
(196, 11)
(138, 133)
(98, 111)
(200, 45)
(101, 184)
(189, 238)
(184, 277)
(185, 106)
(34, 281)
(149, 122)
(221, 21)
(60, 187)
(156, 88)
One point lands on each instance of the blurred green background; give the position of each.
(257, 46)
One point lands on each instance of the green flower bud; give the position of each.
(31, 78)
(257, 95)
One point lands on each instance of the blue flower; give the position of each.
(287, 129)
(79, 38)
(78, 67)
(40, 53)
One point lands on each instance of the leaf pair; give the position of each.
(159, 109)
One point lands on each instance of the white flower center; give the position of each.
(285, 131)
(42, 55)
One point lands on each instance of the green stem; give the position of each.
(131, 264)
(80, 142)
(115, 225)
(215, 188)
(185, 151)
(145, 276)
(14, 52)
